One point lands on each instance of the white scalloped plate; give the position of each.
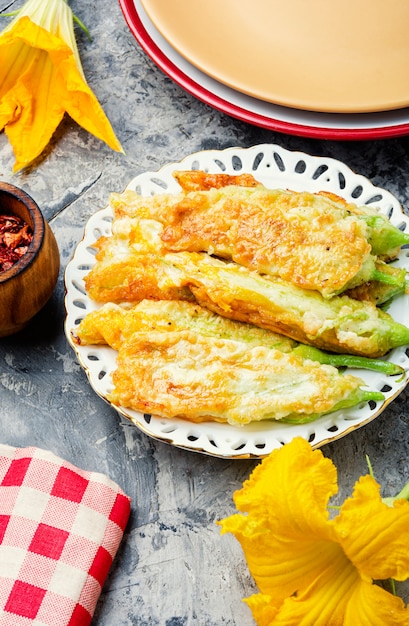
(275, 167)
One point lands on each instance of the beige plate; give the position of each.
(313, 55)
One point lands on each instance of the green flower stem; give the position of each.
(387, 279)
(384, 236)
(354, 398)
(74, 17)
(348, 360)
(81, 25)
(404, 493)
(370, 468)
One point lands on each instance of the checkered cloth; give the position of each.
(60, 528)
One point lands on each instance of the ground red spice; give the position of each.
(15, 237)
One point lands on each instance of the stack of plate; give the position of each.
(314, 69)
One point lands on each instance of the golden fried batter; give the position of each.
(132, 278)
(112, 324)
(199, 378)
(128, 268)
(340, 324)
(304, 238)
(197, 180)
(209, 290)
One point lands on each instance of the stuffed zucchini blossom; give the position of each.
(313, 568)
(41, 78)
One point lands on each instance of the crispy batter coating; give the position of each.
(197, 180)
(340, 324)
(381, 293)
(133, 265)
(132, 278)
(113, 323)
(208, 291)
(171, 350)
(128, 268)
(304, 238)
(188, 375)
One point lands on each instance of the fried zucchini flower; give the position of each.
(41, 78)
(312, 568)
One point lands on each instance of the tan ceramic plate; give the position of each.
(347, 57)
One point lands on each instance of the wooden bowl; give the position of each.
(28, 284)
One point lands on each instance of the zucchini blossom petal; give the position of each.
(41, 78)
(313, 569)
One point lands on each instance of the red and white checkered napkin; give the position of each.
(60, 528)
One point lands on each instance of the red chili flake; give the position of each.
(15, 237)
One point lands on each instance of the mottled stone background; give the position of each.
(173, 568)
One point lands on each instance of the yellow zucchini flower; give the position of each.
(313, 568)
(41, 78)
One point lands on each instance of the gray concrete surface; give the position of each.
(173, 569)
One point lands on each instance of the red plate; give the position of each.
(220, 103)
